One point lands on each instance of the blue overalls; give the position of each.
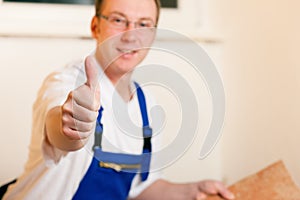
(110, 175)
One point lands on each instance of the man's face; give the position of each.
(121, 48)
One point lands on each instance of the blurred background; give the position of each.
(254, 44)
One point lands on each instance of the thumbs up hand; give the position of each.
(80, 110)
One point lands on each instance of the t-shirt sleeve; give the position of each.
(53, 92)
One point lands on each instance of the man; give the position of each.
(77, 150)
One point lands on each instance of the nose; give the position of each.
(130, 33)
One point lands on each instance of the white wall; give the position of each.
(261, 69)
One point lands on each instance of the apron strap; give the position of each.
(147, 133)
(98, 130)
(143, 106)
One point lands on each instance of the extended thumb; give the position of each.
(91, 72)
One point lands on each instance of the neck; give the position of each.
(123, 86)
(121, 81)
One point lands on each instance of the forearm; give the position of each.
(55, 135)
(164, 190)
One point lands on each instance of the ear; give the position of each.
(95, 29)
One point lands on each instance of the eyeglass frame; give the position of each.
(127, 22)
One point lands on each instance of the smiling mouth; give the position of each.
(126, 51)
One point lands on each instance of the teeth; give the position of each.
(126, 51)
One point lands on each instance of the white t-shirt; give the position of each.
(53, 174)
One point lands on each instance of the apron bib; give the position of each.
(110, 175)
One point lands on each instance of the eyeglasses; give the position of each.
(120, 22)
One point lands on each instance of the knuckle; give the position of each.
(65, 130)
(66, 107)
(83, 126)
(96, 105)
(84, 134)
(90, 126)
(66, 120)
(91, 116)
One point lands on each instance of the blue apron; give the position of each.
(110, 175)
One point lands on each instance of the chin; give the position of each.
(127, 65)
